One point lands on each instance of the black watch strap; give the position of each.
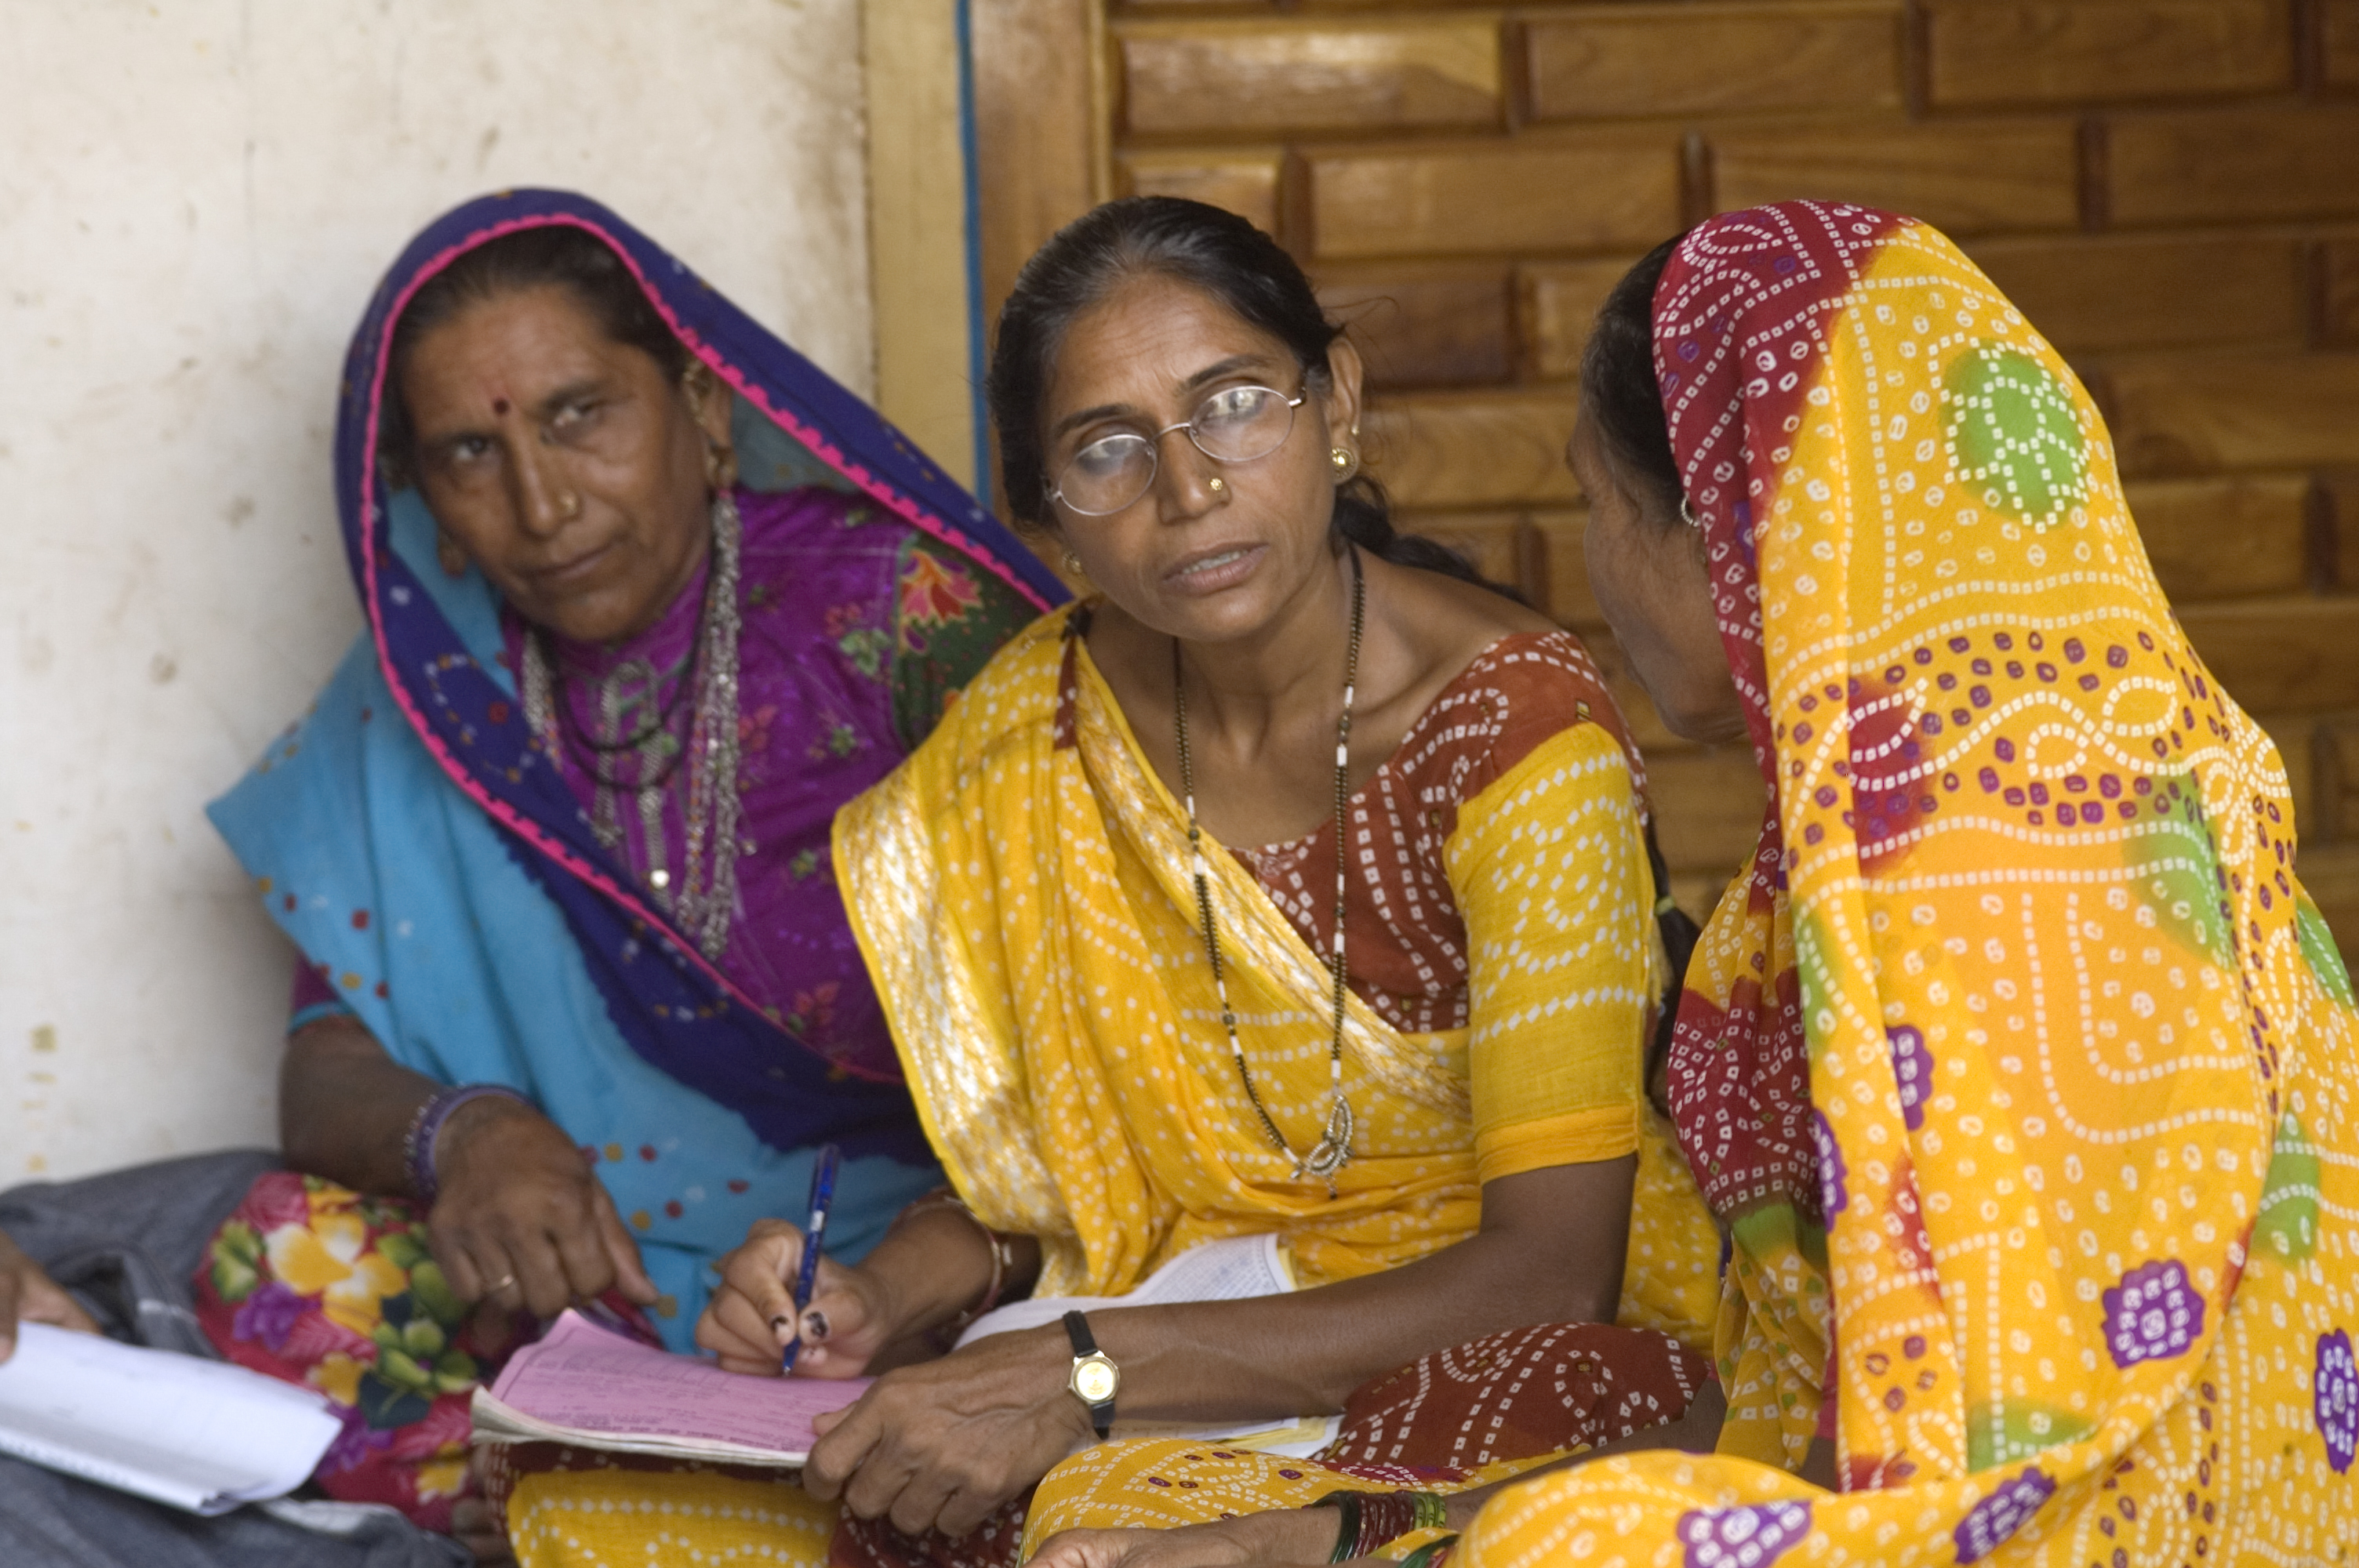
(1092, 1367)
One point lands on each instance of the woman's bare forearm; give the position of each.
(1303, 1354)
(344, 1106)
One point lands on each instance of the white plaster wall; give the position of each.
(196, 198)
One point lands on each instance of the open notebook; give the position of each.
(1229, 1269)
(590, 1385)
(200, 1435)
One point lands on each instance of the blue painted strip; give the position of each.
(977, 346)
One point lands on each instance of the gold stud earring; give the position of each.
(1342, 457)
(1073, 563)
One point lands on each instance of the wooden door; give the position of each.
(2168, 188)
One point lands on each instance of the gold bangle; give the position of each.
(1002, 1256)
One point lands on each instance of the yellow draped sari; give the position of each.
(2019, 1065)
(1021, 890)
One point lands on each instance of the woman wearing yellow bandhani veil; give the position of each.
(2018, 1067)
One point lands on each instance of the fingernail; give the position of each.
(781, 1324)
(814, 1324)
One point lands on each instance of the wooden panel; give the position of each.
(2335, 808)
(1708, 804)
(2339, 327)
(917, 232)
(2128, 293)
(1439, 329)
(1244, 181)
(1983, 52)
(1569, 599)
(1687, 59)
(2288, 655)
(1966, 177)
(1259, 77)
(2338, 503)
(1472, 450)
(2199, 415)
(1038, 128)
(1558, 307)
(1477, 198)
(1502, 546)
(2226, 538)
(2231, 165)
(2340, 51)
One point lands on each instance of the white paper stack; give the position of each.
(200, 1435)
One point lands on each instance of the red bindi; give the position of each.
(499, 405)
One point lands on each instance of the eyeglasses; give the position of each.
(1234, 425)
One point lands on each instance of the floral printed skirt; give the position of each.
(315, 1284)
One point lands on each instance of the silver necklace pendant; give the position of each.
(1333, 1149)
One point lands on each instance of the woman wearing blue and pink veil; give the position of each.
(649, 596)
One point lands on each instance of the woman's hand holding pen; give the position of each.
(751, 1318)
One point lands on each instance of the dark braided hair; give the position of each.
(1208, 249)
(560, 253)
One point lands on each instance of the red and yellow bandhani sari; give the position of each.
(2017, 1064)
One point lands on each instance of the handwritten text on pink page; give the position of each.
(582, 1375)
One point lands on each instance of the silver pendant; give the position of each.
(1332, 1151)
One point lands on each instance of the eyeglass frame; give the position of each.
(1155, 448)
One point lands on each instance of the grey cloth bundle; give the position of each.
(127, 1244)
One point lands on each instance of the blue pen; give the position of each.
(822, 1198)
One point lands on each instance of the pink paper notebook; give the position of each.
(593, 1388)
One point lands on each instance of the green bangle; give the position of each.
(1345, 1502)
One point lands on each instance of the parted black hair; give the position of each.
(1208, 249)
(560, 254)
(1618, 382)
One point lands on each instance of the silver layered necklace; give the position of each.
(638, 749)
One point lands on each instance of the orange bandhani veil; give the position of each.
(2016, 1065)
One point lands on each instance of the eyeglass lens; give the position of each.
(1234, 425)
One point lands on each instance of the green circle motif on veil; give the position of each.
(2014, 432)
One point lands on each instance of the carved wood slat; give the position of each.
(1448, 326)
(2280, 656)
(1492, 197)
(2226, 538)
(1244, 180)
(1559, 304)
(2338, 299)
(2107, 292)
(2340, 29)
(2233, 165)
(2191, 416)
(1472, 450)
(1655, 60)
(1258, 78)
(2078, 51)
(1967, 178)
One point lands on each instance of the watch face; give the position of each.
(1095, 1381)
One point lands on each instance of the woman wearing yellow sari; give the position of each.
(1405, 1034)
(2017, 1065)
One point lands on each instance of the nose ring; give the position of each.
(1216, 485)
(568, 505)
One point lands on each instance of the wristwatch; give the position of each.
(1095, 1380)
